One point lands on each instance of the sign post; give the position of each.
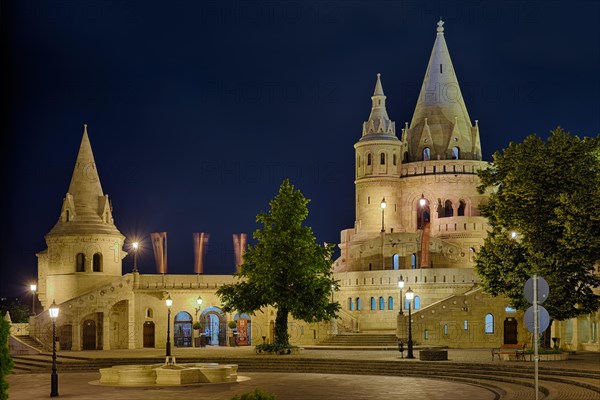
(536, 291)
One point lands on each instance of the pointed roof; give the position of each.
(85, 208)
(441, 102)
(379, 126)
(85, 183)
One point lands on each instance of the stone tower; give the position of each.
(377, 170)
(84, 248)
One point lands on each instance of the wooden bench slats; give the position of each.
(517, 349)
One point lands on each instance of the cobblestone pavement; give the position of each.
(328, 386)
(284, 385)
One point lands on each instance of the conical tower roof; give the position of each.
(86, 209)
(379, 126)
(441, 111)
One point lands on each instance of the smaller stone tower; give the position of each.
(378, 155)
(84, 247)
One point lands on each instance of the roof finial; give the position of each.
(440, 28)
(378, 87)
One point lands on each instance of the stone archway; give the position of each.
(182, 329)
(89, 335)
(215, 326)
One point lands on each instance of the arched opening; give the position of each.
(405, 157)
(382, 158)
(68, 215)
(422, 212)
(461, 208)
(149, 335)
(489, 323)
(440, 209)
(244, 329)
(369, 159)
(80, 262)
(119, 325)
(182, 329)
(445, 329)
(89, 335)
(417, 303)
(455, 153)
(381, 303)
(97, 262)
(510, 331)
(426, 154)
(215, 326)
(394, 158)
(358, 304)
(350, 304)
(390, 303)
(373, 304)
(448, 211)
(413, 261)
(396, 261)
(65, 337)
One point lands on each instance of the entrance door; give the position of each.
(65, 337)
(89, 334)
(148, 334)
(510, 331)
(183, 329)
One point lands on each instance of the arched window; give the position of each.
(350, 304)
(394, 158)
(369, 159)
(390, 303)
(381, 303)
(426, 334)
(396, 261)
(149, 313)
(373, 304)
(445, 329)
(80, 263)
(382, 158)
(461, 208)
(406, 303)
(417, 302)
(358, 304)
(448, 211)
(426, 154)
(455, 153)
(413, 260)
(68, 214)
(97, 262)
(489, 323)
(440, 209)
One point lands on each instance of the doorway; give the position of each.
(149, 334)
(183, 329)
(510, 331)
(89, 334)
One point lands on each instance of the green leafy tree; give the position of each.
(6, 362)
(19, 311)
(286, 269)
(548, 193)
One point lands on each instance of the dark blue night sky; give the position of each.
(197, 110)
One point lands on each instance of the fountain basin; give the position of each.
(168, 374)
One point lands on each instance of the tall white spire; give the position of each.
(441, 110)
(379, 122)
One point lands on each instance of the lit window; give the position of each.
(381, 303)
(350, 304)
(466, 325)
(510, 310)
(396, 261)
(455, 153)
(373, 304)
(390, 303)
(417, 302)
(445, 329)
(426, 154)
(358, 304)
(489, 323)
(413, 261)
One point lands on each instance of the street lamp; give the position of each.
(33, 287)
(400, 286)
(169, 303)
(135, 246)
(410, 296)
(422, 204)
(383, 205)
(53, 310)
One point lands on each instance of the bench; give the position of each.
(518, 350)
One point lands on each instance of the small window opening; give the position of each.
(382, 158)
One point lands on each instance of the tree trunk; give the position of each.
(281, 329)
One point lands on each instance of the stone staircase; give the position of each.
(31, 342)
(369, 341)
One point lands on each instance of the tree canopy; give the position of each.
(548, 193)
(286, 269)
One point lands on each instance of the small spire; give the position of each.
(378, 88)
(440, 28)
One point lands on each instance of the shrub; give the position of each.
(197, 325)
(6, 362)
(256, 395)
(232, 324)
(274, 348)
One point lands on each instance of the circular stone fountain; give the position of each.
(168, 374)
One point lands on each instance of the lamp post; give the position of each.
(400, 286)
(410, 296)
(383, 205)
(33, 287)
(53, 310)
(135, 246)
(422, 203)
(169, 303)
(199, 302)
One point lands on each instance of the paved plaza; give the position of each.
(288, 384)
